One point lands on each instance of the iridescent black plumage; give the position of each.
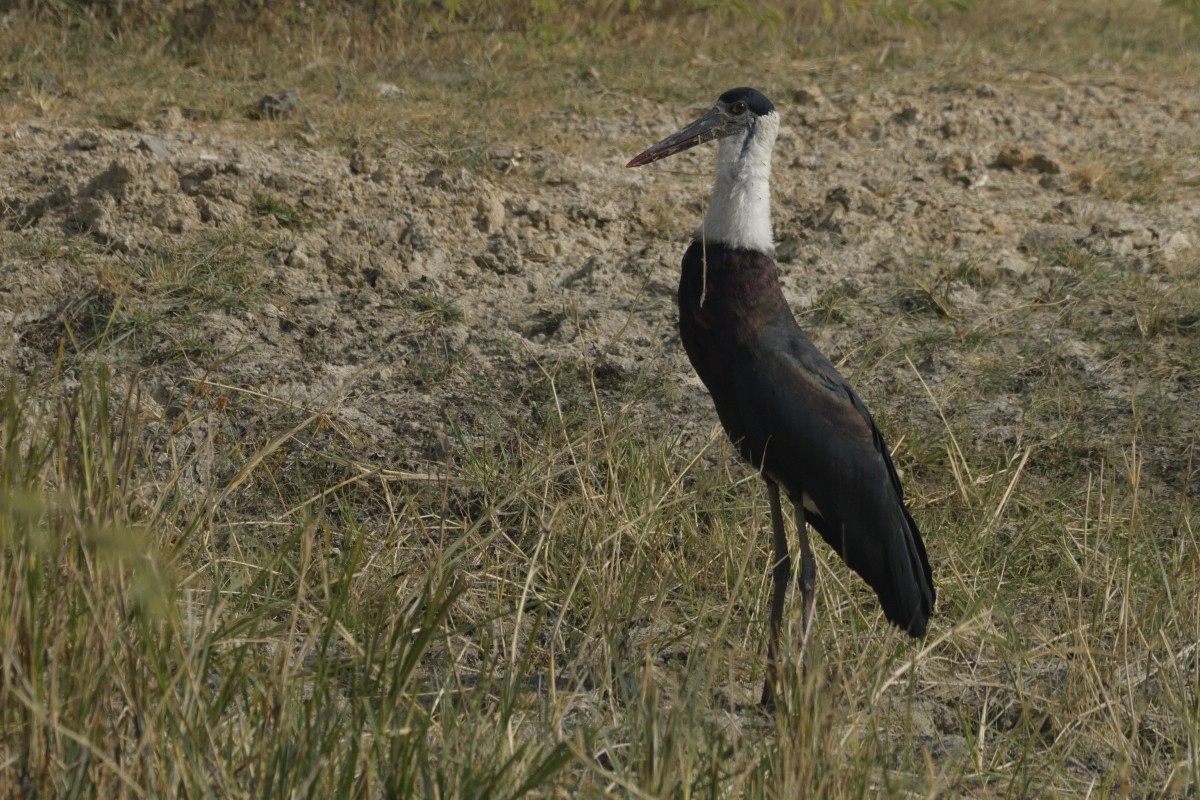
(796, 418)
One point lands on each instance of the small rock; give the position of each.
(384, 174)
(219, 211)
(1015, 156)
(299, 257)
(1011, 264)
(1143, 238)
(489, 214)
(959, 167)
(440, 179)
(1069, 209)
(279, 104)
(92, 214)
(1175, 246)
(193, 181)
(603, 212)
(539, 251)
(810, 95)
(857, 122)
(505, 161)
(1045, 165)
(501, 257)
(492, 263)
(177, 214)
(359, 163)
(85, 142)
(114, 182)
(952, 128)
(154, 146)
(531, 210)
(1124, 234)
(870, 205)
(170, 119)
(1012, 156)
(840, 195)
(832, 214)
(1049, 237)
(1050, 183)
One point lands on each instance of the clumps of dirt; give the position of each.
(413, 293)
(131, 199)
(132, 190)
(421, 288)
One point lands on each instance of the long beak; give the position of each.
(711, 126)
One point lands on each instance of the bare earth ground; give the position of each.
(911, 209)
(968, 249)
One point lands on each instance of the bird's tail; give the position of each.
(881, 542)
(905, 582)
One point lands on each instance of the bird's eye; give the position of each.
(738, 108)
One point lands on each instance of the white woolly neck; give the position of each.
(739, 215)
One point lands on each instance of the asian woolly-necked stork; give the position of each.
(786, 407)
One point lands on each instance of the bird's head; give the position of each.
(740, 113)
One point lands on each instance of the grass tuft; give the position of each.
(590, 591)
(284, 214)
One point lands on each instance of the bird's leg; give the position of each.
(781, 572)
(807, 577)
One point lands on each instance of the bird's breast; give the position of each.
(732, 294)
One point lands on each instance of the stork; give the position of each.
(785, 406)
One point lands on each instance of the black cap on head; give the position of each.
(755, 100)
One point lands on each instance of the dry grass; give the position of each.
(233, 599)
(569, 607)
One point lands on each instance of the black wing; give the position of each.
(805, 427)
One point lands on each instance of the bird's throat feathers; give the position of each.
(739, 215)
